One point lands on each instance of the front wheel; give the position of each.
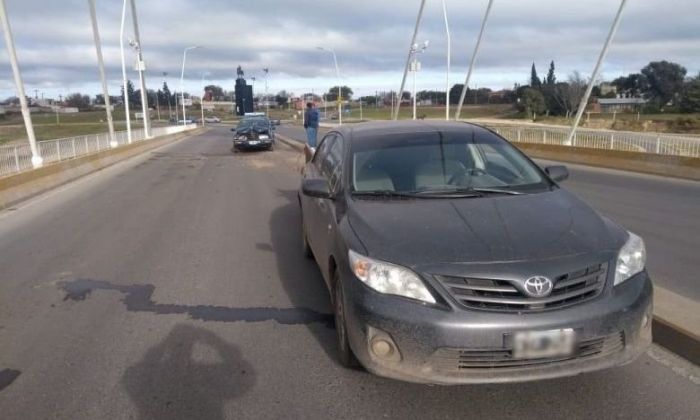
(345, 355)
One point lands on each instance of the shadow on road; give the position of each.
(300, 276)
(189, 375)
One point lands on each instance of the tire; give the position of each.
(345, 355)
(306, 249)
(271, 147)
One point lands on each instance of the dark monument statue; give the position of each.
(244, 94)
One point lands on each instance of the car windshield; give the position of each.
(253, 122)
(442, 163)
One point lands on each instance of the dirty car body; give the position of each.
(452, 258)
(254, 133)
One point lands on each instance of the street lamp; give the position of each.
(124, 80)
(182, 79)
(337, 73)
(266, 70)
(415, 67)
(449, 59)
(144, 94)
(201, 102)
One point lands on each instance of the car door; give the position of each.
(332, 170)
(310, 205)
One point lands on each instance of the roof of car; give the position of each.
(379, 128)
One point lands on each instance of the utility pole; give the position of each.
(449, 59)
(473, 60)
(124, 80)
(408, 59)
(266, 70)
(37, 160)
(170, 110)
(594, 76)
(142, 72)
(101, 65)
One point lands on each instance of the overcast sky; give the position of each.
(57, 56)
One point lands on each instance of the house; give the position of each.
(621, 104)
(2, 110)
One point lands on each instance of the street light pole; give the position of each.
(337, 74)
(449, 59)
(37, 160)
(142, 74)
(201, 102)
(473, 60)
(124, 80)
(103, 78)
(415, 67)
(267, 99)
(408, 60)
(182, 79)
(594, 76)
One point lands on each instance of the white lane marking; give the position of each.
(677, 364)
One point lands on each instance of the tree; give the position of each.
(665, 81)
(532, 102)
(535, 82)
(690, 99)
(130, 94)
(215, 92)
(167, 96)
(77, 100)
(99, 99)
(634, 85)
(282, 98)
(332, 94)
(568, 95)
(551, 78)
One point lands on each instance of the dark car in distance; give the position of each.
(452, 258)
(254, 132)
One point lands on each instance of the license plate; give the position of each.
(543, 344)
(253, 142)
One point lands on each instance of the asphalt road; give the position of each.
(173, 286)
(664, 211)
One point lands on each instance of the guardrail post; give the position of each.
(612, 141)
(658, 144)
(16, 159)
(58, 150)
(73, 147)
(573, 140)
(518, 135)
(87, 146)
(544, 136)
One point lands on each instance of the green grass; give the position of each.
(406, 112)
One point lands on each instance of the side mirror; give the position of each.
(558, 173)
(316, 188)
(276, 122)
(233, 129)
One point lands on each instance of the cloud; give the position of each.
(54, 40)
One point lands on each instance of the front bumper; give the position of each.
(430, 339)
(253, 143)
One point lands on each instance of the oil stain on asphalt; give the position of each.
(138, 298)
(7, 376)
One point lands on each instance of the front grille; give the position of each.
(446, 359)
(503, 295)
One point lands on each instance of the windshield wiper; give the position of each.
(465, 192)
(383, 193)
(496, 191)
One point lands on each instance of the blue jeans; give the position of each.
(311, 133)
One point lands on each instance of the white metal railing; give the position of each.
(628, 141)
(18, 157)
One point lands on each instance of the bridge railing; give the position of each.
(626, 141)
(18, 157)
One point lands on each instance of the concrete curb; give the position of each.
(290, 142)
(20, 187)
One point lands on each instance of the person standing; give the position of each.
(311, 118)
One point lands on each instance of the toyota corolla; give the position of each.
(452, 258)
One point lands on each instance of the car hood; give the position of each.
(481, 230)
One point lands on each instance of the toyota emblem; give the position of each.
(538, 286)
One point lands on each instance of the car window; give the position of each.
(332, 166)
(425, 161)
(322, 151)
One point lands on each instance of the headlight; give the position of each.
(388, 278)
(264, 137)
(242, 138)
(631, 259)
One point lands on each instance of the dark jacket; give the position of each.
(311, 118)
